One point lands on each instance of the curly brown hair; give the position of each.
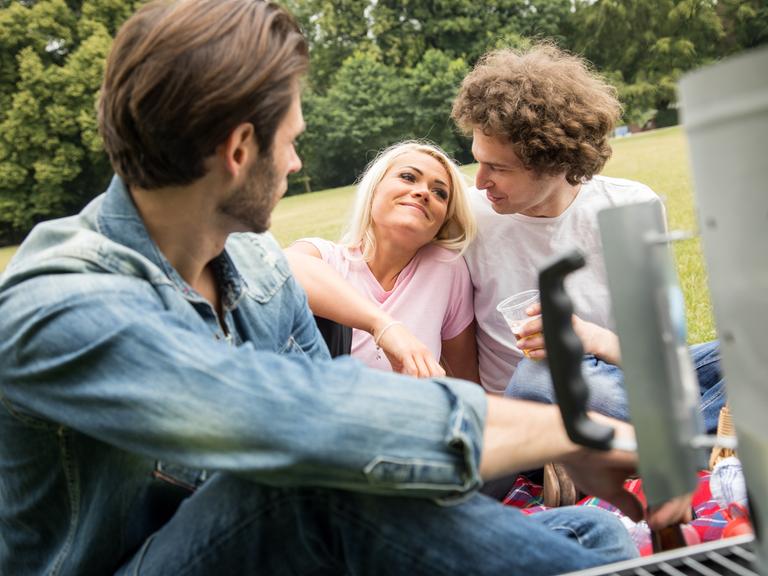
(550, 105)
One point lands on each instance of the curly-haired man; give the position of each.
(540, 121)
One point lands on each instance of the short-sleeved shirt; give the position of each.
(509, 249)
(432, 295)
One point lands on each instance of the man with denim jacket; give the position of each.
(167, 404)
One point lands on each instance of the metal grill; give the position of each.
(733, 557)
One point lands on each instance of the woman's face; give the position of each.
(411, 200)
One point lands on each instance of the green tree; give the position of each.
(51, 160)
(745, 23)
(645, 45)
(335, 29)
(371, 105)
(405, 30)
(358, 115)
(432, 86)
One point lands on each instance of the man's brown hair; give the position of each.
(182, 74)
(556, 112)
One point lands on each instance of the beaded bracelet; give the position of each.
(381, 332)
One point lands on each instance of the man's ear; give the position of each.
(236, 150)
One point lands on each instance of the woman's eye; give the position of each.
(408, 176)
(440, 193)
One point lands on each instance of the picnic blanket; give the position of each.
(714, 518)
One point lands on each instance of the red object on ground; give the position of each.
(738, 521)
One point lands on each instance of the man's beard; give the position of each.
(252, 203)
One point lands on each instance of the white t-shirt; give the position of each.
(505, 258)
(432, 296)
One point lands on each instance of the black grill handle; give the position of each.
(565, 352)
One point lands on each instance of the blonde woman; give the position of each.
(401, 252)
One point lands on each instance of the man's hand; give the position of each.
(673, 512)
(407, 354)
(603, 474)
(595, 339)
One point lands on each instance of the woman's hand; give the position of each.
(406, 353)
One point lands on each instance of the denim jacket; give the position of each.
(120, 393)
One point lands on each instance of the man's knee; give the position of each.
(531, 381)
(592, 528)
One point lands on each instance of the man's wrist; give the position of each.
(608, 347)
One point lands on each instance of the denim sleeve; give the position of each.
(304, 327)
(112, 362)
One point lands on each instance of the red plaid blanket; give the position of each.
(709, 524)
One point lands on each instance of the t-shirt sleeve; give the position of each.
(329, 251)
(460, 311)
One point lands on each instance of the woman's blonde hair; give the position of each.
(459, 228)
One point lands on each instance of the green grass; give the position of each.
(320, 214)
(658, 158)
(5, 256)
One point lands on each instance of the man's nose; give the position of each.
(295, 164)
(481, 179)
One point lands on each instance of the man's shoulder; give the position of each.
(618, 191)
(260, 260)
(74, 245)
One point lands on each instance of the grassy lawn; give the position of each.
(5, 256)
(658, 158)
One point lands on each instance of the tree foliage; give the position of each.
(645, 46)
(381, 71)
(51, 159)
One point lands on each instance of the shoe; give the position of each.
(558, 489)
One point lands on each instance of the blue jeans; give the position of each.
(532, 381)
(233, 526)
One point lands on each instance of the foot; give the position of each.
(558, 489)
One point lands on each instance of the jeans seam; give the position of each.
(142, 553)
(25, 418)
(573, 532)
(72, 480)
(231, 532)
(711, 358)
(710, 401)
(353, 519)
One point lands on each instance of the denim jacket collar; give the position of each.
(119, 220)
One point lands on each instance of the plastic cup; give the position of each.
(513, 309)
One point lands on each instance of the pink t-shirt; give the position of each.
(432, 296)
